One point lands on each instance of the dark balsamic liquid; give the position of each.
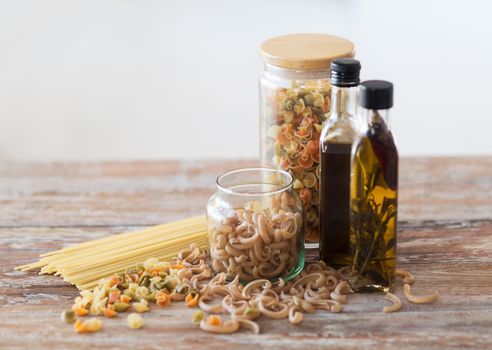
(334, 237)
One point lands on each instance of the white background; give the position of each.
(109, 79)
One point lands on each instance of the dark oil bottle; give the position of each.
(335, 206)
(336, 141)
(374, 194)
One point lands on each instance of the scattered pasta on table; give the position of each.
(189, 278)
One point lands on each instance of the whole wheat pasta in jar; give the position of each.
(255, 225)
(294, 101)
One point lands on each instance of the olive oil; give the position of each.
(374, 195)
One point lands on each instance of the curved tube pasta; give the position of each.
(263, 229)
(250, 325)
(282, 313)
(230, 326)
(236, 243)
(272, 273)
(255, 284)
(396, 303)
(304, 304)
(419, 299)
(407, 276)
(338, 297)
(234, 306)
(221, 241)
(258, 251)
(213, 309)
(307, 279)
(233, 251)
(332, 305)
(263, 243)
(295, 317)
(248, 241)
(343, 287)
(317, 287)
(245, 314)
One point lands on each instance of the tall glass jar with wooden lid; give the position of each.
(294, 101)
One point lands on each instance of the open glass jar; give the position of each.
(295, 95)
(255, 225)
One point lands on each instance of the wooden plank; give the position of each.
(147, 193)
(448, 257)
(445, 238)
(342, 331)
(92, 194)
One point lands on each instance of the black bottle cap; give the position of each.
(345, 72)
(376, 94)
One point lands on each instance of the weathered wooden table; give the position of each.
(445, 238)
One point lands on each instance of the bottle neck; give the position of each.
(344, 101)
(376, 116)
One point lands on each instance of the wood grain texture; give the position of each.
(445, 238)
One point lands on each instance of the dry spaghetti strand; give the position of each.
(86, 263)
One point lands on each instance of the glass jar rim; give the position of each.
(289, 181)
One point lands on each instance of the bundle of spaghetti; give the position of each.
(86, 263)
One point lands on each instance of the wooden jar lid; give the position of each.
(305, 51)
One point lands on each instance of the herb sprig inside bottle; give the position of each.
(374, 193)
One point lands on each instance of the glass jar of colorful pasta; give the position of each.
(255, 225)
(294, 101)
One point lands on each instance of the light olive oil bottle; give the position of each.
(374, 193)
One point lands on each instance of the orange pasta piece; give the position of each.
(191, 301)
